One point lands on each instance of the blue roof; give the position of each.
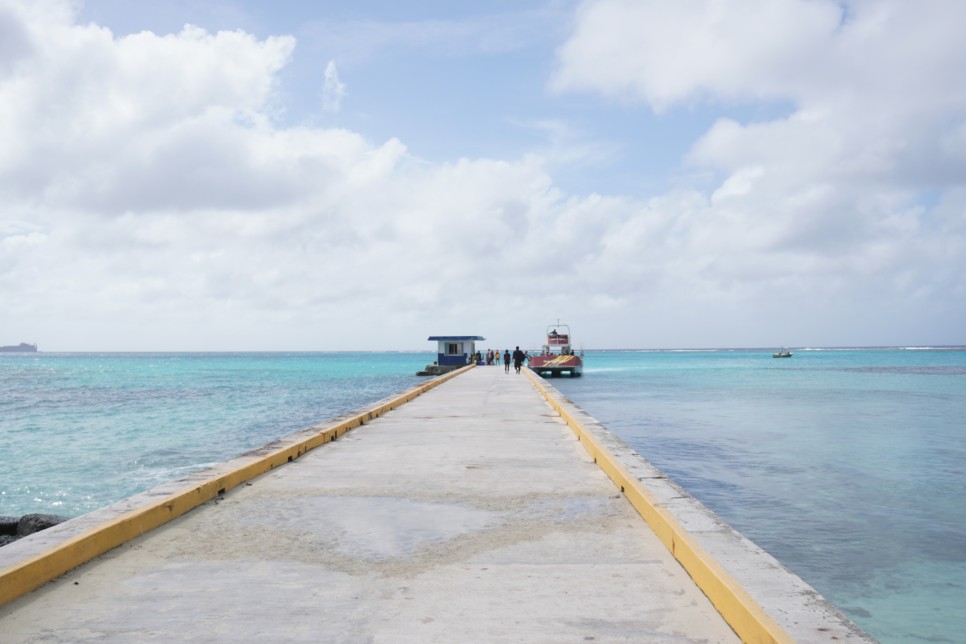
(455, 338)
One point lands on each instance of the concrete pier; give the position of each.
(472, 513)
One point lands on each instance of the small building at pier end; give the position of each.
(453, 352)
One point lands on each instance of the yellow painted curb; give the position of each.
(745, 615)
(26, 575)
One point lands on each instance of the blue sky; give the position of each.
(186, 175)
(452, 80)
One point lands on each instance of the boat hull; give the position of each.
(557, 365)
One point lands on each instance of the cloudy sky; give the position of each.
(295, 175)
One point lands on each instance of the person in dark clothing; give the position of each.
(506, 361)
(518, 358)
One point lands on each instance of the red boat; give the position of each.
(558, 358)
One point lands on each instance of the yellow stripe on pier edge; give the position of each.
(26, 575)
(748, 619)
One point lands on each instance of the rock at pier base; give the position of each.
(438, 370)
(13, 528)
(8, 525)
(30, 523)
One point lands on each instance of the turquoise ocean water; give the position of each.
(79, 431)
(849, 466)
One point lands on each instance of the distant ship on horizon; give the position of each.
(23, 347)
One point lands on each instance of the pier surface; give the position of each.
(469, 514)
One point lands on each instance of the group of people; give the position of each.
(518, 357)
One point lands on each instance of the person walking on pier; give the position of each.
(518, 358)
(506, 360)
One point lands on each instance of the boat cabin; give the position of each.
(558, 342)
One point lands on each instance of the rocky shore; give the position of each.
(12, 528)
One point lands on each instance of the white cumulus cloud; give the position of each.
(834, 199)
(152, 199)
